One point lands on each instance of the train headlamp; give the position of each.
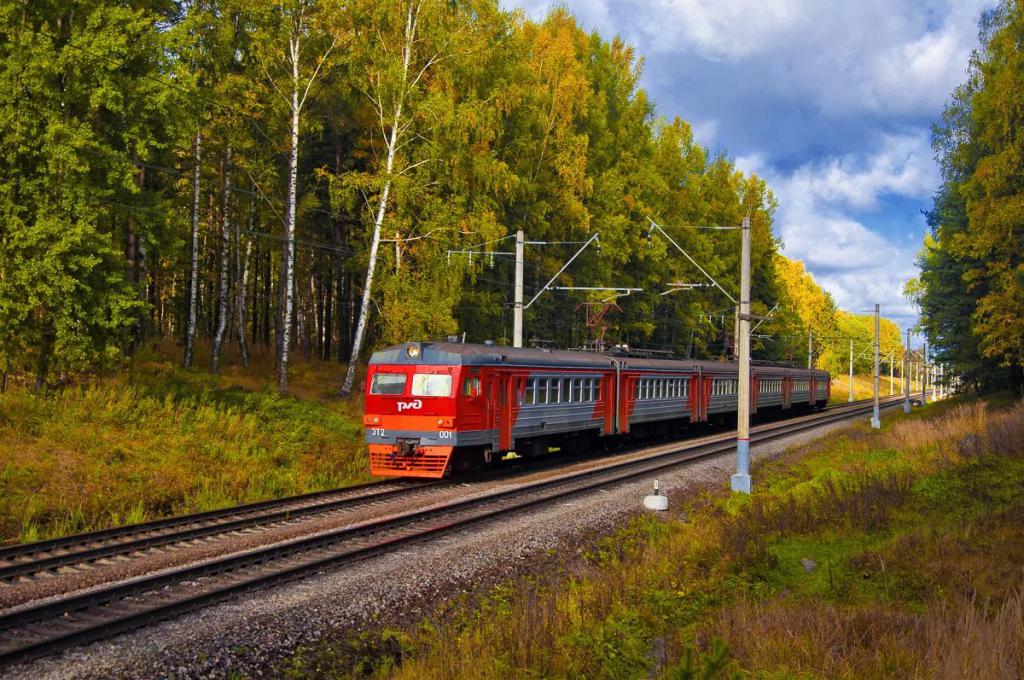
(413, 351)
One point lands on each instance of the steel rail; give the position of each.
(34, 631)
(34, 558)
(31, 559)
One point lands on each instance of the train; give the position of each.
(434, 408)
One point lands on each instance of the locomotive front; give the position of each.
(410, 411)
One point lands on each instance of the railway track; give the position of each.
(35, 630)
(33, 559)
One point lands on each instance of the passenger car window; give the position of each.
(471, 387)
(387, 383)
(431, 385)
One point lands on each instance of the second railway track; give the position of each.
(32, 631)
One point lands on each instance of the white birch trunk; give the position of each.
(190, 331)
(289, 268)
(225, 254)
(240, 292)
(364, 307)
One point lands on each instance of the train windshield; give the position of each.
(431, 385)
(388, 383)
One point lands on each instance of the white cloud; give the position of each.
(857, 265)
(902, 166)
(893, 56)
(724, 29)
(705, 131)
(752, 163)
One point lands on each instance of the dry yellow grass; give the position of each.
(154, 440)
(863, 387)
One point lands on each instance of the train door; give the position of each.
(755, 390)
(705, 395)
(625, 403)
(500, 404)
(787, 392)
(608, 402)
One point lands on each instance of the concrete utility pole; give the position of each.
(935, 382)
(876, 420)
(851, 371)
(810, 350)
(741, 480)
(517, 316)
(924, 375)
(906, 366)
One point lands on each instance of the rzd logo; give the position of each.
(413, 405)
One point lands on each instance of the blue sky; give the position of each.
(830, 100)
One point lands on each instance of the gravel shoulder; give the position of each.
(248, 636)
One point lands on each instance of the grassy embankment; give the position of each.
(862, 387)
(156, 440)
(895, 553)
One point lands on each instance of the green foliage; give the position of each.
(71, 126)
(972, 276)
(505, 123)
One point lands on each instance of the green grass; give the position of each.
(156, 440)
(892, 553)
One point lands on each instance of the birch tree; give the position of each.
(390, 86)
(193, 289)
(242, 267)
(225, 254)
(309, 35)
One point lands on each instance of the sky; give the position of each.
(831, 101)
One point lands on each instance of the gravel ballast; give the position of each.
(251, 635)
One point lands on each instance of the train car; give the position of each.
(432, 408)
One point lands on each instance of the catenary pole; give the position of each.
(876, 420)
(851, 371)
(924, 375)
(935, 382)
(810, 350)
(741, 480)
(517, 319)
(906, 366)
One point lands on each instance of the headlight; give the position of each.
(413, 351)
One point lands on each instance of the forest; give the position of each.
(314, 178)
(971, 288)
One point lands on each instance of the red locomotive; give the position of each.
(435, 407)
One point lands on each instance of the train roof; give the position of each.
(469, 354)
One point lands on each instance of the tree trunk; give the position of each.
(45, 354)
(241, 289)
(268, 287)
(225, 254)
(328, 325)
(288, 268)
(364, 307)
(193, 292)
